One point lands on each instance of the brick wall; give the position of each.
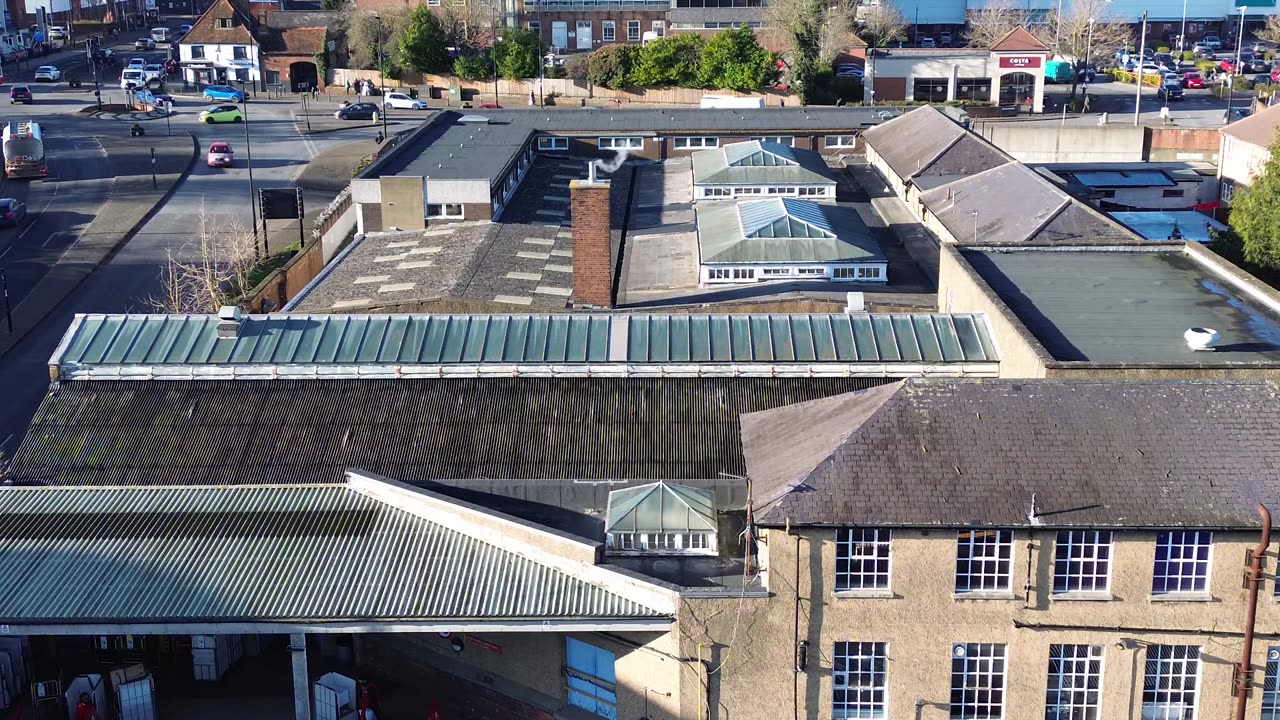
(592, 259)
(280, 286)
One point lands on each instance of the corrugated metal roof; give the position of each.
(282, 553)
(659, 507)
(285, 345)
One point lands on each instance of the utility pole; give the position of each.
(382, 79)
(1142, 52)
(1235, 69)
(253, 197)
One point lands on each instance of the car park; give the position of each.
(221, 114)
(402, 101)
(220, 155)
(224, 92)
(144, 43)
(12, 212)
(357, 111)
(1192, 80)
(48, 73)
(20, 94)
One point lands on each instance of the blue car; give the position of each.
(224, 92)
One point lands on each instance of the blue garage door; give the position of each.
(590, 678)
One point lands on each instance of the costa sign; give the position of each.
(1020, 61)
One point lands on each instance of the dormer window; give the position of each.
(224, 22)
(661, 519)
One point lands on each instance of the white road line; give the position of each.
(56, 188)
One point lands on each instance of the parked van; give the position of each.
(1057, 71)
(160, 34)
(132, 77)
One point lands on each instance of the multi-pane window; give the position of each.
(239, 52)
(984, 559)
(535, 26)
(633, 31)
(553, 143)
(657, 541)
(977, 681)
(622, 142)
(977, 89)
(450, 210)
(858, 684)
(1082, 561)
(812, 191)
(862, 559)
(779, 139)
(1172, 678)
(608, 31)
(731, 274)
(682, 143)
(197, 52)
(1182, 562)
(1075, 683)
(1271, 686)
(840, 141)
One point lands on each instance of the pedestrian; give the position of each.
(347, 86)
(315, 92)
(86, 709)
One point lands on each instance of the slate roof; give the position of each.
(910, 142)
(1011, 202)
(294, 553)
(1018, 40)
(759, 163)
(235, 432)
(295, 41)
(969, 155)
(962, 454)
(783, 230)
(205, 31)
(1258, 129)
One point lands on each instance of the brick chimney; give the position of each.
(592, 256)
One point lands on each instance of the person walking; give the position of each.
(315, 92)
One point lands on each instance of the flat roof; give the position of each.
(454, 150)
(1129, 305)
(1158, 225)
(696, 121)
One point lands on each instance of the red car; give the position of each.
(221, 155)
(1228, 65)
(1275, 74)
(1192, 80)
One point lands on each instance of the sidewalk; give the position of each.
(132, 202)
(922, 246)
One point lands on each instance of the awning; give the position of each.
(366, 555)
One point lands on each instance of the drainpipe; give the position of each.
(1255, 575)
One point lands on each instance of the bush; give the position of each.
(1188, 56)
(1242, 82)
(472, 67)
(1269, 55)
(610, 67)
(733, 60)
(575, 67)
(1206, 66)
(1162, 49)
(669, 61)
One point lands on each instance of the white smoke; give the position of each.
(611, 165)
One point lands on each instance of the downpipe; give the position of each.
(1244, 674)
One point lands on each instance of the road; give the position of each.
(80, 182)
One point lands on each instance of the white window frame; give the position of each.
(535, 26)
(811, 272)
(979, 555)
(979, 674)
(788, 140)
(1180, 574)
(608, 31)
(782, 190)
(863, 557)
(444, 210)
(869, 272)
(1271, 685)
(695, 542)
(1165, 682)
(1082, 562)
(621, 142)
(551, 143)
(633, 31)
(756, 190)
(731, 274)
(859, 680)
(816, 191)
(717, 192)
(839, 141)
(694, 141)
(1074, 687)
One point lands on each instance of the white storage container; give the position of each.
(335, 697)
(136, 699)
(213, 655)
(92, 684)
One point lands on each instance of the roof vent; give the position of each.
(1199, 338)
(474, 120)
(228, 321)
(855, 302)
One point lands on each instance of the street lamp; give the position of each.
(1142, 53)
(1182, 34)
(1088, 45)
(382, 77)
(493, 50)
(1231, 78)
(253, 197)
(547, 59)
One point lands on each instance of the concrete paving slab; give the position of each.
(415, 264)
(396, 287)
(558, 268)
(514, 275)
(529, 255)
(371, 279)
(539, 241)
(351, 303)
(562, 253)
(549, 290)
(513, 299)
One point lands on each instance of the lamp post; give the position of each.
(253, 196)
(542, 73)
(1235, 69)
(493, 50)
(382, 78)
(1182, 34)
(1142, 52)
(1088, 47)
(1057, 33)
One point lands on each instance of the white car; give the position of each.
(131, 77)
(57, 32)
(153, 71)
(137, 62)
(48, 73)
(402, 101)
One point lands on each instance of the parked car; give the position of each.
(1263, 79)
(221, 114)
(224, 92)
(144, 43)
(1203, 51)
(1275, 74)
(221, 155)
(137, 62)
(1192, 80)
(358, 111)
(1256, 65)
(1170, 77)
(154, 71)
(1262, 46)
(57, 32)
(849, 70)
(1211, 41)
(106, 56)
(927, 42)
(48, 73)
(131, 77)
(945, 40)
(402, 101)
(20, 94)
(184, 29)
(12, 212)
(1166, 61)
(1170, 91)
(1228, 65)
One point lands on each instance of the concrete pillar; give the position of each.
(952, 81)
(301, 679)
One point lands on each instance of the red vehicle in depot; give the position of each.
(1192, 80)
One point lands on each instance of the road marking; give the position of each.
(56, 188)
(53, 236)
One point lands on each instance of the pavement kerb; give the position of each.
(54, 287)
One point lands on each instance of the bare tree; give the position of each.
(881, 24)
(217, 274)
(992, 22)
(1271, 31)
(834, 34)
(1086, 30)
(465, 20)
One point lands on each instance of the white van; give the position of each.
(160, 34)
(132, 76)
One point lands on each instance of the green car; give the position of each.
(222, 113)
